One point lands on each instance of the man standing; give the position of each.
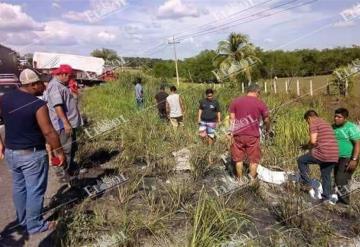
(175, 108)
(323, 151)
(245, 115)
(27, 127)
(161, 102)
(65, 116)
(209, 116)
(348, 138)
(139, 93)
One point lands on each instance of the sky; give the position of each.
(145, 28)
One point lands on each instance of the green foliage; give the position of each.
(106, 54)
(235, 56)
(199, 67)
(164, 70)
(214, 223)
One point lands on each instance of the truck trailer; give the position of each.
(87, 69)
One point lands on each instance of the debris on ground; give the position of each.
(182, 159)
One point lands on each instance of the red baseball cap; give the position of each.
(63, 69)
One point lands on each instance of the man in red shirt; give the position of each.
(323, 151)
(245, 115)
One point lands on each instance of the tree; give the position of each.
(343, 77)
(199, 68)
(235, 56)
(110, 56)
(164, 69)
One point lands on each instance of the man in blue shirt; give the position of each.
(65, 117)
(139, 93)
(28, 127)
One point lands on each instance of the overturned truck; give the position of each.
(87, 70)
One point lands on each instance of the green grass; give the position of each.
(180, 212)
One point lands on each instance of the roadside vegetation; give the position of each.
(161, 207)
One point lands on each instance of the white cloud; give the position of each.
(344, 24)
(351, 13)
(76, 16)
(175, 9)
(12, 18)
(55, 4)
(98, 10)
(20, 38)
(106, 36)
(268, 40)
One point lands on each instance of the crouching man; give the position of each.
(323, 151)
(348, 138)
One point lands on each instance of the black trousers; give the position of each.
(162, 113)
(342, 180)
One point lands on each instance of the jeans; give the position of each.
(29, 169)
(69, 145)
(342, 180)
(325, 169)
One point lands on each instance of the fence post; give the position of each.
(346, 87)
(242, 88)
(297, 87)
(311, 88)
(265, 85)
(327, 87)
(286, 86)
(275, 89)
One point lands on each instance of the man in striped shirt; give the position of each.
(323, 151)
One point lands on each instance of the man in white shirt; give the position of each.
(175, 108)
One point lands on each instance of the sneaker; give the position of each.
(242, 180)
(328, 202)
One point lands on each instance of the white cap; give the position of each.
(28, 76)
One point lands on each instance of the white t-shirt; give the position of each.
(174, 103)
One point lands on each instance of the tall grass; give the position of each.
(214, 223)
(145, 140)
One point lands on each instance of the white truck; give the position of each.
(87, 69)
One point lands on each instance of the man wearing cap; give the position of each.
(28, 126)
(64, 115)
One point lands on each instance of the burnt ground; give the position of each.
(281, 211)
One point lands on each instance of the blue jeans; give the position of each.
(29, 169)
(325, 168)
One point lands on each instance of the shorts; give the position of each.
(246, 147)
(177, 121)
(207, 129)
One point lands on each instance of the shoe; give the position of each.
(242, 180)
(328, 202)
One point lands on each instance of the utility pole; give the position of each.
(176, 65)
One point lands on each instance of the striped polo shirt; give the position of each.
(326, 148)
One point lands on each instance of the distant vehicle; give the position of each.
(88, 70)
(9, 62)
(8, 82)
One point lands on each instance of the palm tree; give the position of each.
(235, 56)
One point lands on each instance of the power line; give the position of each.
(236, 20)
(228, 17)
(196, 35)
